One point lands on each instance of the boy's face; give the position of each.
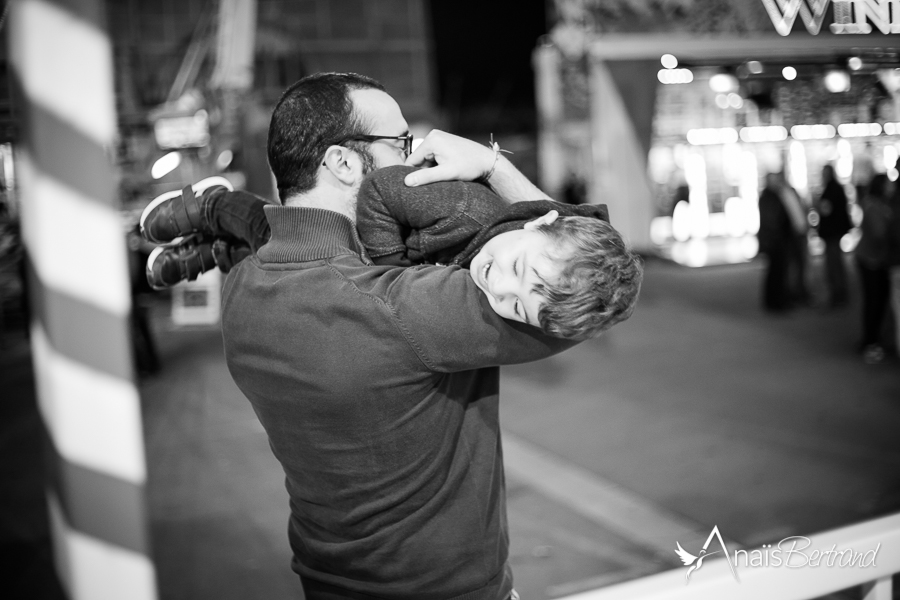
(511, 264)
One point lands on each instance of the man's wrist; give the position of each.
(509, 183)
(500, 169)
(495, 148)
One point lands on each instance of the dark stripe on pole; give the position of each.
(80, 331)
(96, 504)
(62, 152)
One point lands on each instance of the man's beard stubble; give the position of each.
(368, 161)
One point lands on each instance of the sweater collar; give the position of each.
(302, 234)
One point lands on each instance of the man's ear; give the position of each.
(344, 164)
(545, 220)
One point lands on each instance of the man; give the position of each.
(797, 249)
(775, 238)
(834, 223)
(377, 386)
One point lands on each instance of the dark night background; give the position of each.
(483, 62)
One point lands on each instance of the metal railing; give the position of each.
(715, 581)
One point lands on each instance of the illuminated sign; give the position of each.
(850, 16)
(182, 131)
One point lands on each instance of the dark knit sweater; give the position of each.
(378, 389)
(445, 222)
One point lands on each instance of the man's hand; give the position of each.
(448, 157)
(454, 159)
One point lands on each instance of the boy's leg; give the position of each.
(220, 227)
(238, 215)
(227, 253)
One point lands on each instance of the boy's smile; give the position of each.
(511, 265)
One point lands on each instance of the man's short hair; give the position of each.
(600, 280)
(313, 114)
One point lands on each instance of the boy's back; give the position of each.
(441, 223)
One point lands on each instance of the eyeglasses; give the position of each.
(406, 139)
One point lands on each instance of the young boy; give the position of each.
(559, 267)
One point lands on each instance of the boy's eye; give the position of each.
(516, 268)
(519, 312)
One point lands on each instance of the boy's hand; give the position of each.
(454, 159)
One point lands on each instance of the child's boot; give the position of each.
(179, 213)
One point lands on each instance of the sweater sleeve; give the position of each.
(429, 222)
(451, 326)
(382, 223)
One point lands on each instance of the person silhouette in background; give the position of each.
(872, 261)
(893, 261)
(834, 222)
(798, 246)
(775, 237)
(574, 189)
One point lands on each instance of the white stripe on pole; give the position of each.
(94, 419)
(95, 570)
(66, 232)
(77, 84)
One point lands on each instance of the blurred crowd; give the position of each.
(783, 233)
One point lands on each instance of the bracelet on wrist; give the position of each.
(495, 146)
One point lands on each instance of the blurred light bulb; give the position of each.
(660, 230)
(890, 157)
(224, 159)
(789, 73)
(722, 101)
(837, 81)
(722, 83)
(843, 166)
(755, 67)
(681, 223)
(668, 61)
(165, 165)
(855, 63)
(734, 216)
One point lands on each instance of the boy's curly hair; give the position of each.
(599, 284)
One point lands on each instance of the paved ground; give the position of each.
(717, 413)
(699, 411)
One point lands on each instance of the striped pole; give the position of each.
(80, 299)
